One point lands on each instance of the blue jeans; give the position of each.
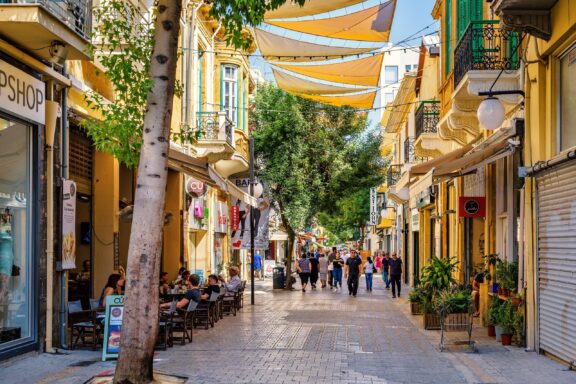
(368, 281)
(337, 277)
(385, 278)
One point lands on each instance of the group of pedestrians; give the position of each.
(332, 268)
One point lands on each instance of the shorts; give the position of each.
(304, 276)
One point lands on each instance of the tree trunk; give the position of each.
(291, 237)
(140, 323)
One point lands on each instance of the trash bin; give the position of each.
(278, 277)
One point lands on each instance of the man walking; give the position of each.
(385, 269)
(331, 257)
(395, 271)
(352, 273)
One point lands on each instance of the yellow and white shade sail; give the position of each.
(371, 24)
(311, 7)
(362, 72)
(274, 46)
(294, 84)
(361, 101)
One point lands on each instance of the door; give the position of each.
(416, 247)
(556, 261)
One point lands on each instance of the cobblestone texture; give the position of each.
(317, 337)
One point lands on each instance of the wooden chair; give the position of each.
(205, 312)
(165, 339)
(229, 303)
(83, 325)
(183, 322)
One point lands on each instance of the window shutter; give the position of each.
(448, 37)
(476, 13)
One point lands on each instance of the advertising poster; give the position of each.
(235, 217)
(68, 224)
(220, 217)
(241, 236)
(269, 267)
(112, 326)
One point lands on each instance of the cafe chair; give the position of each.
(229, 303)
(83, 326)
(165, 339)
(183, 322)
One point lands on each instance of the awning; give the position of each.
(404, 181)
(312, 7)
(365, 71)
(385, 224)
(189, 165)
(294, 84)
(494, 148)
(361, 101)
(275, 47)
(370, 24)
(240, 194)
(279, 236)
(395, 114)
(424, 168)
(399, 196)
(422, 184)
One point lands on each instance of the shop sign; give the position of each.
(235, 217)
(424, 199)
(374, 212)
(220, 217)
(69, 225)
(244, 185)
(195, 187)
(472, 206)
(241, 237)
(22, 94)
(112, 326)
(269, 267)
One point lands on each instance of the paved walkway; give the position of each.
(317, 337)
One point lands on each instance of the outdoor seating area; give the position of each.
(86, 328)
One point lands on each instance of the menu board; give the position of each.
(112, 326)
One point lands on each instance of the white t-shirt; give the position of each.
(369, 268)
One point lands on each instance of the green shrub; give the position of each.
(456, 300)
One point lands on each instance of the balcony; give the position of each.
(427, 117)
(240, 160)
(212, 135)
(410, 156)
(393, 174)
(51, 30)
(485, 45)
(428, 143)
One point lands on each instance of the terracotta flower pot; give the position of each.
(491, 331)
(506, 339)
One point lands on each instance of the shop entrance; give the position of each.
(416, 248)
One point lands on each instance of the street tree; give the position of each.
(141, 65)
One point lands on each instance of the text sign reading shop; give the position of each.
(22, 94)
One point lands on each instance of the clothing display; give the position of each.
(6, 253)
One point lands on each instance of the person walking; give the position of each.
(313, 270)
(323, 270)
(303, 267)
(337, 266)
(369, 269)
(395, 272)
(385, 269)
(353, 272)
(331, 257)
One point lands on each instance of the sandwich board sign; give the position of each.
(112, 326)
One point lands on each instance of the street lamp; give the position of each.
(491, 113)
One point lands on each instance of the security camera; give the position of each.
(513, 142)
(58, 52)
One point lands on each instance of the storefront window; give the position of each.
(15, 233)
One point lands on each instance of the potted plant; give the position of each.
(493, 316)
(506, 321)
(507, 277)
(453, 305)
(436, 276)
(416, 297)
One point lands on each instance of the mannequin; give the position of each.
(6, 253)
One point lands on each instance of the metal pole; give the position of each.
(252, 220)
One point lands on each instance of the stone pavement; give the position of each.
(315, 337)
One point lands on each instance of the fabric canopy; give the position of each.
(285, 49)
(424, 168)
(311, 7)
(240, 194)
(395, 113)
(362, 101)
(371, 24)
(365, 71)
(295, 84)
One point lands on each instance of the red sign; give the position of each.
(235, 214)
(472, 206)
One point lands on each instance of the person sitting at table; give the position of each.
(212, 287)
(185, 281)
(192, 294)
(164, 283)
(113, 287)
(234, 283)
(180, 273)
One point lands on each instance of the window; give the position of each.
(16, 284)
(568, 99)
(230, 92)
(414, 66)
(408, 67)
(391, 74)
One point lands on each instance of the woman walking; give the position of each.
(313, 270)
(337, 264)
(369, 269)
(303, 267)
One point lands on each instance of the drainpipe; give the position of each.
(191, 23)
(214, 62)
(50, 128)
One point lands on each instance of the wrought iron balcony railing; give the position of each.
(427, 117)
(393, 175)
(210, 126)
(410, 153)
(77, 14)
(485, 46)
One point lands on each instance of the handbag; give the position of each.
(198, 210)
